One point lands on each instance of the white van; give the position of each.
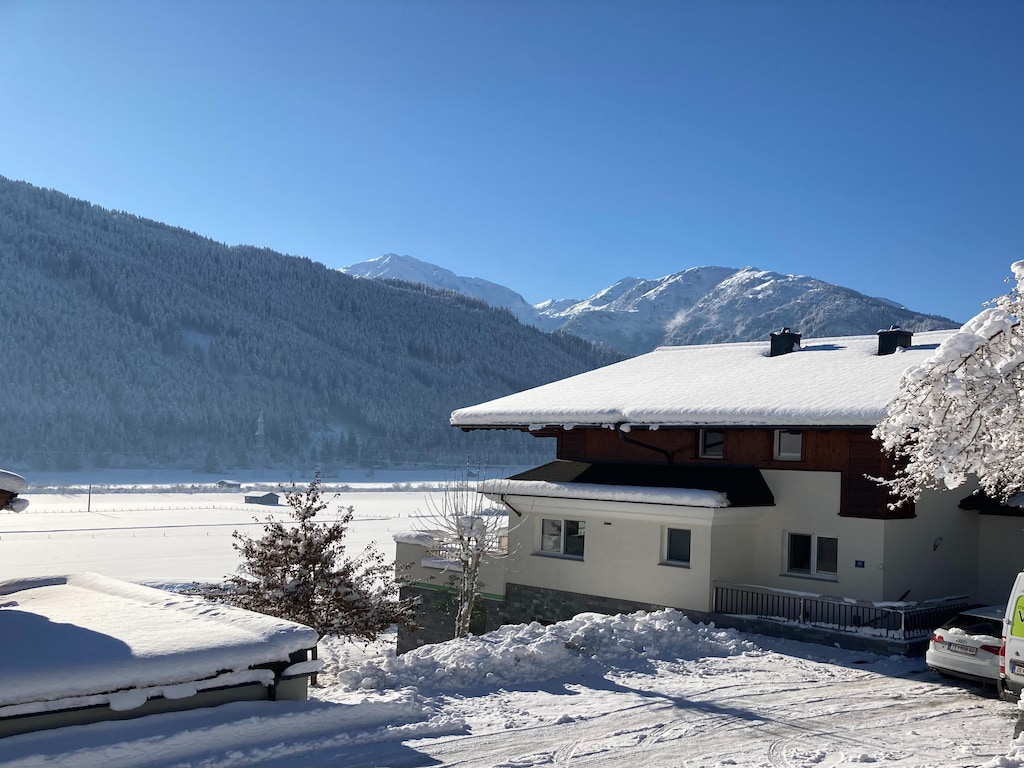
(1011, 667)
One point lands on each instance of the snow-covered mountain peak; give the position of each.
(693, 306)
(396, 267)
(411, 270)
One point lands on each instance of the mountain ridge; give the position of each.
(697, 305)
(131, 343)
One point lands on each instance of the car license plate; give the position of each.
(1017, 668)
(967, 650)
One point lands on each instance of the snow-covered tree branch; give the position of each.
(959, 413)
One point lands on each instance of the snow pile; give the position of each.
(529, 653)
(1014, 758)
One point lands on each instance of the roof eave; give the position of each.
(535, 428)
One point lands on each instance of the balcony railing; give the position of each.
(897, 621)
(449, 550)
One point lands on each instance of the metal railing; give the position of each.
(898, 621)
(451, 551)
(448, 549)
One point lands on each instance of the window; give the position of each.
(811, 555)
(788, 445)
(562, 537)
(677, 546)
(712, 444)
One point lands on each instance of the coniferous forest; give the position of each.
(129, 343)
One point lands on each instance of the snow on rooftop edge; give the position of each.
(86, 634)
(837, 381)
(680, 497)
(423, 538)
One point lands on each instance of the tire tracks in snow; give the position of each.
(838, 716)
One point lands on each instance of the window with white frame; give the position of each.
(789, 445)
(677, 546)
(562, 537)
(808, 554)
(712, 444)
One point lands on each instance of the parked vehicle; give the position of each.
(1011, 671)
(969, 644)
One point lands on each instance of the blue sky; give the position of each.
(554, 146)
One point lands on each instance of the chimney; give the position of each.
(783, 342)
(895, 337)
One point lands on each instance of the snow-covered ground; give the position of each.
(652, 689)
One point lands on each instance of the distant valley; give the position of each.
(129, 343)
(698, 305)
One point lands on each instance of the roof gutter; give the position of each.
(508, 504)
(655, 448)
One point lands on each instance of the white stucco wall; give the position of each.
(809, 503)
(1000, 556)
(734, 548)
(934, 554)
(623, 551)
(624, 545)
(877, 560)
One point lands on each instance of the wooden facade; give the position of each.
(851, 452)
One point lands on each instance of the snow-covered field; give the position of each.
(652, 689)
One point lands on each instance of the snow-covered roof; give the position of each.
(105, 640)
(840, 381)
(678, 497)
(422, 538)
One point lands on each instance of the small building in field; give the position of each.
(268, 499)
(735, 480)
(229, 484)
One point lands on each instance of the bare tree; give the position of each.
(471, 532)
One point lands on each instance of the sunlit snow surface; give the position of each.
(70, 638)
(647, 689)
(833, 381)
(530, 653)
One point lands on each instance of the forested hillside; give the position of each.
(131, 343)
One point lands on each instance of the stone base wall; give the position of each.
(849, 641)
(547, 606)
(436, 616)
(523, 605)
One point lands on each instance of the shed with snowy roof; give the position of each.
(736, 479)
(84, 648)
